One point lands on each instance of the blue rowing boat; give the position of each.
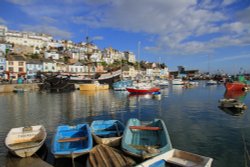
(146, 139)
(72, 141)
(108, 132)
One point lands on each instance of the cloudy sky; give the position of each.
(209, 35)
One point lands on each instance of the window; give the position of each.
(20, 63)
(11, 63)
(20, 69)
(11, 69)
(1, 67)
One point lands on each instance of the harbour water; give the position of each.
(194, 121)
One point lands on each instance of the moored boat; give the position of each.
(235, 86)
(93, 86)
(157, 95)
(25, 141)
(108, 132)
(178, 158)
(122, 85)
(72, 141)
(105, 156)
(145, 139)
(211, 82)
(178, 81)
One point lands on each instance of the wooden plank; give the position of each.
(144, 128)
(73, 139)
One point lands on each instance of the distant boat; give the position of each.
(156, 95)
(25, 141)
(93, 86)
(105, 156)
(72, 141)
(161, 82)
(178, 81)
(211, 82)
(176, 158)
(142, 88)
(108, 132)
(145, 139)
(122, 85)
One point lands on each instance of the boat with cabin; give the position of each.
(122, 85)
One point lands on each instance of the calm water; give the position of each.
(194, 121)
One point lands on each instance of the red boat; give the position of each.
(235, 86)
(142, 90)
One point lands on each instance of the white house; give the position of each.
(76, 68)
(49, 66)
(32, 67)
(51, 55)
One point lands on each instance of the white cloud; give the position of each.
(2, 21)
(54, 31)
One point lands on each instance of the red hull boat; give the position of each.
(143, 90)
(235, 86)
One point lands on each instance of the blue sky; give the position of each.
(209, 35)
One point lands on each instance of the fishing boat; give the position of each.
(108, 132)
(235, 86)
(240, 84)
(232, 103)
(19, 90)
(93, 86)
(25, 141)
(142, 88)
(145, 139)
(72, 141)
(105, 156)
(122, 85)
(178, 158)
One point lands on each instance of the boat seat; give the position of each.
(154, 128)
(73, 139)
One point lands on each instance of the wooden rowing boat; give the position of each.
(72, 141)
(105, 156)
(25, 141)
(178, 158)
(108, 132)
(145, 139)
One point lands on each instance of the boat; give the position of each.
(232, 103)
(145, 139)
(108, 132)
(161, 82)
(178, 81)
(156, 95)
(72, 141)
(142, 88)
(93, 86)
(25, 141)
(122, 85)
(179, 158)
(235, 86)
(211, 82)
(104, 156)
(239, 85)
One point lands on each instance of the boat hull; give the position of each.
(72, 141)
(178, 158)
(108, 132)
(143, 91)
(25, 143)
(145, 140)
(235, 86)
(86, 87)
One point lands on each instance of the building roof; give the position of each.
(15, 58)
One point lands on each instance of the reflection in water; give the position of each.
(191, 114)
(232, 111)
